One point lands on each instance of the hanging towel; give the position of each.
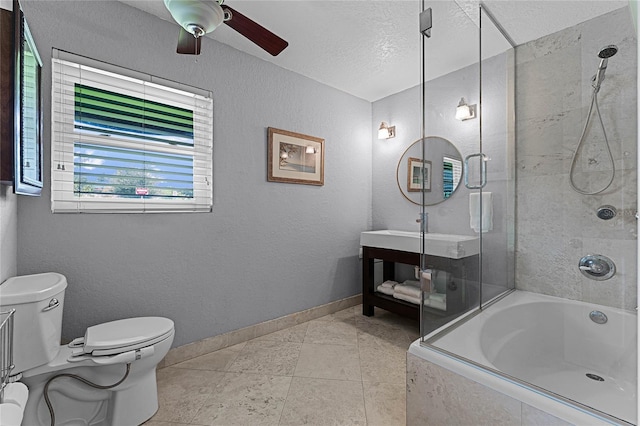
(487, 211)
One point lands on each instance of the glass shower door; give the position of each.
(450, 257)
(468, 192)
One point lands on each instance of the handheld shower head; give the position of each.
(604, 54)
(608, 51)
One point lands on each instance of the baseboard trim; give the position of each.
(212, 344)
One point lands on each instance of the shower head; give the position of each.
(604, 54)
(608, 51)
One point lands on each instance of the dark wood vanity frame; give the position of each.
(464, 273)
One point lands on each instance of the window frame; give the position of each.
(67, 69)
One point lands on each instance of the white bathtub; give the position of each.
(553, 344)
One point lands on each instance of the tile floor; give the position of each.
(341, 369)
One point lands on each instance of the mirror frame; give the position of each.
(22, 184)
(402, 163)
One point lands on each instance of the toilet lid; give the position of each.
(125, 333)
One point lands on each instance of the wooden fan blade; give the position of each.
(255, 32)
(188, 44)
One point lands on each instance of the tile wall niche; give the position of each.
(556, 226)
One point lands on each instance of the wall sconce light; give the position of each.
(386, 132)
(310, 150)
(465, 111)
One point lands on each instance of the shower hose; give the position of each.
(594, 101)
(83, 380)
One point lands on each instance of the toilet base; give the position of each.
(77, 404)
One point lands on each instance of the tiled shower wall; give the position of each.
(556, 226)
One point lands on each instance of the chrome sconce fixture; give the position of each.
(386, 132)
(464, 111)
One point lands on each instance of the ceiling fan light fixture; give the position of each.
(196, 16)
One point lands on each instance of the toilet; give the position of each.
(106, 352)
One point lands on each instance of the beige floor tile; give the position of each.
(331, 333)
(385, 404)
(381, 361)
(159, 423)
(374, 331)
(291, 334)
(182, 392)
(217, 361)
(341, 362)
(246, 399)
(267, 357)
(389, 318)
(323, 402)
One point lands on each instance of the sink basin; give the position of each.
(443, 245)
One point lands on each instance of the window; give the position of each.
(127, 142)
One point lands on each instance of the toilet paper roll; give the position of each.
(11, 414)
(16, 393)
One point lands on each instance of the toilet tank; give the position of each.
(38, 300)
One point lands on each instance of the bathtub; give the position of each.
(547, 353)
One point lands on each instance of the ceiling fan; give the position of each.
(199, 17)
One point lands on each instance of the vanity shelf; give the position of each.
(464, 273)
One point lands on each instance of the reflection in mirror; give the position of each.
(436, 177)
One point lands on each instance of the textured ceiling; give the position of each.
(371, 49)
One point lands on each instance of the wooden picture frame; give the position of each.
(295, 158)
(417, 171)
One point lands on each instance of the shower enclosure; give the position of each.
(473, 108)
(549, 188)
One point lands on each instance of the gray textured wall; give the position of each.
(557, 226)
(8, 232)
(267, 250)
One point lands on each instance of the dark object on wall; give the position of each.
(21, 128)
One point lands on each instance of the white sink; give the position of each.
(443, 245)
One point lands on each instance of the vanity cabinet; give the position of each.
(459, 290)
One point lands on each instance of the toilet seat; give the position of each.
(121, 336)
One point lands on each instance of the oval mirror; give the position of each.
(438, 176)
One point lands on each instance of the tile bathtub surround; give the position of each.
(439, 397)
(285, 324)
(342, 368)
(557, 226)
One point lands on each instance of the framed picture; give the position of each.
(295, 158)
(419, 175)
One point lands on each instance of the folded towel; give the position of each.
(412, 283)
(385, 290)
(407, 290)
(406, 298)
(438, 296)
(437, 304)
(389, 284)
(487, 211)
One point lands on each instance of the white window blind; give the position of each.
(127, 142)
